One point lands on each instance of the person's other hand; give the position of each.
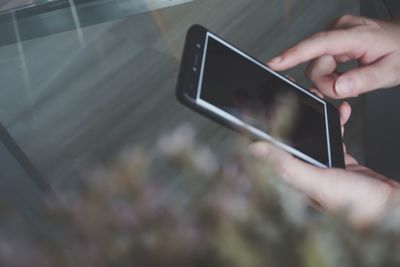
(363, 193)
(357, 190)
(374, 44)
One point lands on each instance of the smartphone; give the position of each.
(232, 88)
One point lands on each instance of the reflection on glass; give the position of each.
(249, 92)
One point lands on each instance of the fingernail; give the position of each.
(275, 60)
(344, 86)
(259, 150)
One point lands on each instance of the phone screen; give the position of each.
(247, 93)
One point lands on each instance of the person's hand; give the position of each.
(374, 44)
(361, 192)
(357, 190)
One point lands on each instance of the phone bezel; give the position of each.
(189, 78)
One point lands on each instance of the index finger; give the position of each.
(337, 42)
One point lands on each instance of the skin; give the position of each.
(375, 45)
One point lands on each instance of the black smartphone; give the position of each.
(232, 88)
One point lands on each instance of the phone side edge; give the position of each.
(187, 80)
(336, 140)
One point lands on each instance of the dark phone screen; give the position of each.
(241, 87)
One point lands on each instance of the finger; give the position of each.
(295, 172)
(322, 73)
(347, 21)
(315, 46)
(321, 66)
(345, 58)
(350, 160)
(365, 79)
(344, 113)
(316, 92)
(332, 188)
(344, 116)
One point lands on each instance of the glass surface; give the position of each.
(82, 81)
(12, 4)
(239, 87)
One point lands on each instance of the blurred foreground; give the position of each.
(203, 212)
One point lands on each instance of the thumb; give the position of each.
(364, 79)
(325, 186)
(295, 172)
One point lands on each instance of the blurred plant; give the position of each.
(175, 205)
